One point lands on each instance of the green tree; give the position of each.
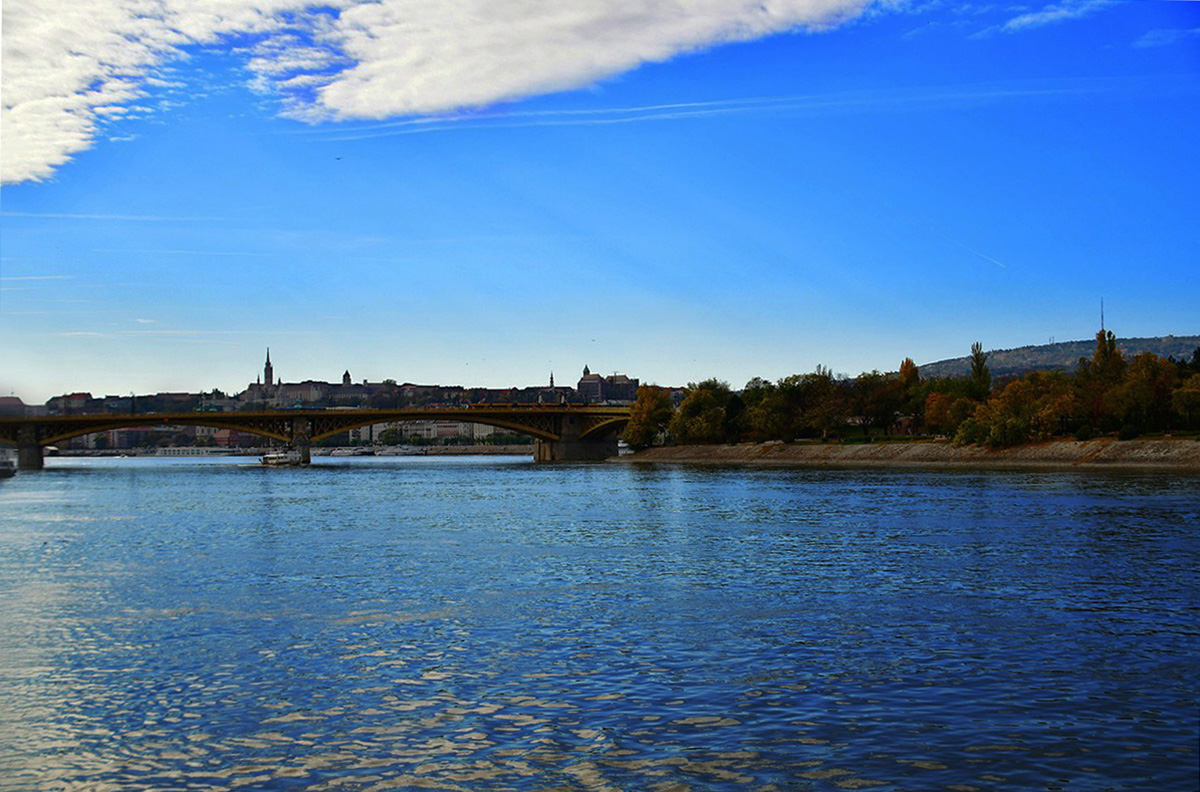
(1142, 400)
(765, 416)
(824, 403)
(649, 416)
(981, 376)
(701, 416)
(1186, 402)
(735, 414)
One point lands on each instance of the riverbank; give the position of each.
(1182, 455)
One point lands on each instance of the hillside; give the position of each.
(1062, 356)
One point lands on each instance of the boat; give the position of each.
(282, 458)
(8, 465)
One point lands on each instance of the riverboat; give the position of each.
(282, 458)
(352, 452)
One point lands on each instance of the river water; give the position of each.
(489, 624)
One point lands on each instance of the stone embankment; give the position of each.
(1169, 454)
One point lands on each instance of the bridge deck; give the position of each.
(560, 425)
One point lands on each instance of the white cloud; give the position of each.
(1057, 12)
(416, 58)
(67, 67)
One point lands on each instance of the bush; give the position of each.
(1007, 432)
(970, 432)
(1085, 432)
(1128, 432)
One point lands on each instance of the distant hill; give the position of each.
(1062, 356)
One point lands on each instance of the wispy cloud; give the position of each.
(813, 104)
(190, 336)
(1165, 38)
(181, 333)
(36, 277)
(172, 252)
(112, 217)
(970, 249)
(1057, 12)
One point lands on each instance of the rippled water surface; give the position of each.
(488, 624)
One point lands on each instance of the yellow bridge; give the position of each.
(562, 432)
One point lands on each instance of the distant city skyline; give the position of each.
(483, 196)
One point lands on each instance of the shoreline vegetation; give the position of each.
(1089, 417)
(1180, 455)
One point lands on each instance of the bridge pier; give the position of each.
(570, 447)
(29, 450)
(301, 439)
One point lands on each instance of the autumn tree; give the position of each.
(877, 400)
(1034, 407)
(944, 412)
(649, 416)
(1107, 361)
(914, 396)
(909, 375)
(1095, 381)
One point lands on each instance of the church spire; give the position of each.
(268, 371)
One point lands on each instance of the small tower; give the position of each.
(551, 379)
(346, 378)
(586, 370)
(268, 371)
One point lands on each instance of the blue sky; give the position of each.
(484, 195)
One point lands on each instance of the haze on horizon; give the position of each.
(480, 193)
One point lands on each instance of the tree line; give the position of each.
(1105, 394)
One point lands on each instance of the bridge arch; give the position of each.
(561, 432)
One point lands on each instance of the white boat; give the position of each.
(282, 458)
